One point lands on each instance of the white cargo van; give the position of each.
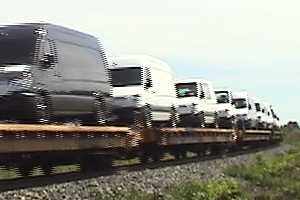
(259, 114)
(245, 109)
(226, 109)
(196, 103)
(266, 116)
(276, 122)
(143, 90)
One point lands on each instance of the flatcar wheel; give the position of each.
(25, 171)
(156, 155)
(47, 169)
(144, 158)
(183, 154)
(177, 155)
(100, 107)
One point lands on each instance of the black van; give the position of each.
(51, 73)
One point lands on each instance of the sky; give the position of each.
(245, 45)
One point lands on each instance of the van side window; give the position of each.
(80, 62)
(206, 91)
(48, 57)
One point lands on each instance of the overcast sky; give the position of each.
(246, 45)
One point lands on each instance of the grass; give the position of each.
(277, 177)
(273, 178)
(226, 189)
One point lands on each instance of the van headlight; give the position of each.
(133, 97)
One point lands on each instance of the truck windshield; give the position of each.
(222, 96)
(126, 76)
(186, 90)
(17, 44)
(257, 107)
(240, 103)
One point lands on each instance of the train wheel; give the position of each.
(177, 155)
(47, 169)
(144, 158)
(25, 171)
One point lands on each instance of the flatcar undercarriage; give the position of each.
(25, 147)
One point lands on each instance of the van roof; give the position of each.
(125, 61)
(60, 33)
(241, 94)
(257, 100)
(223, 89)
(190, 80)
(48, 25)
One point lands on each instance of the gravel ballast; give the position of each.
(149, 180)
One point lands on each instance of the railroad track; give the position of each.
(44, 180)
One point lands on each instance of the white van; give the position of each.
(143, 90)
(276, 122)
(245, 109)
(196, 103)
(226, 109)
(259, 114)
(266, 116)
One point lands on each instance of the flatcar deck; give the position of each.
(16, 138)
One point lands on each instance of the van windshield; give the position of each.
(126, 76)
(222, 96)
(17, 44)
(240, 103)
(186, 90)
(257, 106)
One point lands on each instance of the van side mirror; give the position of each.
(48, 60)
(148, 83)
(202, 96)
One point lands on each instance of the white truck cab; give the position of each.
(245, 109)
(143, 90)
(196, 103)
(226, 109)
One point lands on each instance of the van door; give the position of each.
(46, 75)
(209, 103)
(160, 94)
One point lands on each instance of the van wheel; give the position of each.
(216, 125)
(174, 118)
(143, 117)
(200, 119)
(42, 108)
(100, 107)
(232, 123)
